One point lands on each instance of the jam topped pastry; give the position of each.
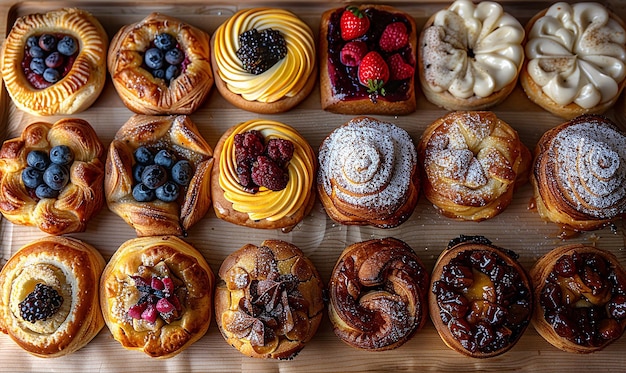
(54, 63)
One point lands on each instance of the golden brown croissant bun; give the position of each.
(141, 87)
(368, 173)
(579, 173)
(268, 301)
(579, 297)
(156, 295)
(481, 301)
(378, 294)
(79, 76)
(63, 273)
(179, 137)
(472, 161)
(68, 209)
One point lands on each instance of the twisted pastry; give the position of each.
(69, 269)
(368, 173)
(378, 294)
(579, 173)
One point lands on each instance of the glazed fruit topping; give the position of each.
(353, 23)
(260, 50)
(165, 59)
(46, 175)
(159, 176)
(48, 58)
(40, 304)
(158, 296)
(260, 164)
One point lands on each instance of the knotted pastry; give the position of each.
(579, 173)
(472, 162)
(576, 59)
(49, 296)
(481, 301)
(470, 55)
(158, 202)
(268, 301)
(156, 295)
(368, 174)
(161, 65)
(264, 176)
(378, 294)
(76, 45)
(264, 60)
(580, 298)
(51, 177)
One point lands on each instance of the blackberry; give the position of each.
(40, 304)
(259, 51)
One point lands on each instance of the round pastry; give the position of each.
(580, 297)
(378, 294)
(368, 174)
(49, 296)
(470, 55)
(161, 65)
(156, 295)
(158, 174)
(367, 63)
(268, 300)
(55, 63)
(264, 176)
(472, 163)
(576, 59)
(579, 173)
(51, 176)
(481, 301)
(264, 60)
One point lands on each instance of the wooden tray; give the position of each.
(517, 228)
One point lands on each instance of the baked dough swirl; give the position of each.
(72, 268)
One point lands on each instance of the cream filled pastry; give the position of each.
(470, 55)
(267, 79)
(576, 59)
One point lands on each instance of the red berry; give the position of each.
(168, 285)
(268, 174)
(353, 23)
(394, 37)
(352, 53)
(398, 68)
(164, 306)
(157, 284)
(136, 310)
(150, 313)
(248, 145)
(280, 151)
(373, 72)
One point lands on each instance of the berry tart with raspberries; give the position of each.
(55, 63)
(367, 60)
(158, 174)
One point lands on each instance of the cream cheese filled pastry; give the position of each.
(264, 60)
(470, 55)
(576, 59)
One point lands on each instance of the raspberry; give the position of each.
(268, 174)
(280, 151)
(244, 171)
(398, 68)
(248, 146)
(394, 37)
(352, 53)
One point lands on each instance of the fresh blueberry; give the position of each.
(51, 75)
(54, 60)
(142, 193)
(158, 73)
(67, 45)
(61, 154)
(153, 176)
(44, 191)
(167, 192)
(164, 41)
(56, 176)
(165, 158)
(182, 172)
(174, 56)
(36, 52)
(172, 72)
(47, 42)
(154, 58)
(38, 65)
(143, 155)
(32, 41)
(38, 159)
(138, 171)
(32, 177)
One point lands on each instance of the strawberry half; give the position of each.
(374, 73)
(398, 68)
(353, 23)
(394, 37)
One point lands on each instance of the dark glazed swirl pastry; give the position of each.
(378, 294)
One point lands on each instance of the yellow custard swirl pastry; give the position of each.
(284, 84)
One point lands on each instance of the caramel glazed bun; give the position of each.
(63, 274)
(78, 201)
(179, 135)
(156, 295)
(576, 59)
(472, 163)
(268, 300)
(284, 84)
(579, 173)
(139, 89)
(84, 81)
(368, 174)
(470, 55)
(378, 294)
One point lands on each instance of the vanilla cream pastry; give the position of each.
(470, 55)
(576, 59)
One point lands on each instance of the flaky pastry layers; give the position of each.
(82, 84)
(472, 163)
(80, 200)
(156, 295)
(71, 270)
